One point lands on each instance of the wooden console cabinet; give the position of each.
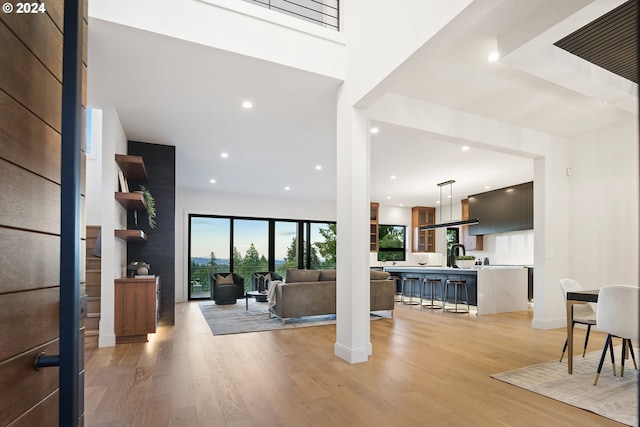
(136, 308)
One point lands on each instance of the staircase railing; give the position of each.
(321, 12)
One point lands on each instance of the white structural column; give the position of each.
(352, 289)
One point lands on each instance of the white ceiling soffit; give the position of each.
(170, 91)
(539, 57)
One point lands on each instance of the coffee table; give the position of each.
(250, 294)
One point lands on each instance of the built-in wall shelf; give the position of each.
(131, 235)
(132, 167)
(131, 201)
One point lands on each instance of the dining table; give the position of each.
(573, 298)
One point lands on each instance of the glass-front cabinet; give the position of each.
(423, 240)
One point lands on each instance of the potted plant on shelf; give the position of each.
(150, 202)
(465, 261)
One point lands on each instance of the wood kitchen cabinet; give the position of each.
(423, 240)
(470, 242)
(137, 304)
(373, 226)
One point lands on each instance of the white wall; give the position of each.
(514, 248)
(114, 251)
(603, 230)
(234, 26)
(381, 35)
(190, 201)
(94, 171)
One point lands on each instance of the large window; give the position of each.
(247, 245)
(323, 245)
(286, 246)
(250, 248)
(210, 249)
(391, 242)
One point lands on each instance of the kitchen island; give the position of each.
(492, 289)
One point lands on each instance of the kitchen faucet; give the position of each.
(453, 252)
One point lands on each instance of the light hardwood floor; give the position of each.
(427, 369)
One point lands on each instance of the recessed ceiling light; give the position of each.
(388, 197)
(465, 148)
(374, 130)
(448, 197)
(213, 181)
(437, 202)
(318, 167)
(287, 188)
(493, 57)
(486, 187)
(401, 204)
(392, 177)
(224, 155)
(247, 104)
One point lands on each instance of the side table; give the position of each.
(250, 294)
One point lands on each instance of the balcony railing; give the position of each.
(322, 12)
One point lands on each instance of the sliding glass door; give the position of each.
(250, 248)
(248, 245)
(209, 252)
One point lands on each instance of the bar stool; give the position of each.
(397, 282)
(456, 283)
(412, 280)
(431, 281)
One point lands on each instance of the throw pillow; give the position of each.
(222, 280)
(265, 277)
(262, 280)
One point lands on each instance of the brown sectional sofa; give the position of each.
(313, 292)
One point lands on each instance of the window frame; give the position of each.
(304, 245)
(403, 249)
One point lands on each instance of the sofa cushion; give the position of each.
(327, 275)
(294, 276)
(378, 275)
(222, 280)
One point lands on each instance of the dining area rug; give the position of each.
(615, 398)
(235, 319)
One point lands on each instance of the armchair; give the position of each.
(260, 282)
(226, 288)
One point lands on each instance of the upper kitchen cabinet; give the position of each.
(470, 242)
(423, 240)
(373, 226)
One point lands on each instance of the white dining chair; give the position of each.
(583, 314)
(618, 316)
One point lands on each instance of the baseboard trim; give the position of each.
(549, 323)
(352, 355)
(107, 340)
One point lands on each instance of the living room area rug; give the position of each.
(615, 398)
(235, 319)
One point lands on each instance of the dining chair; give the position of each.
(583, 314)
(617, 315)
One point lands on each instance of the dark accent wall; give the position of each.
(503, 210)
(159, 249)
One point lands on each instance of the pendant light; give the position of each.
(451, 223)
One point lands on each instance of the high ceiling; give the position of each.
(611, 41)
(169, 91)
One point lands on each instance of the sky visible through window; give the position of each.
(212, 234)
